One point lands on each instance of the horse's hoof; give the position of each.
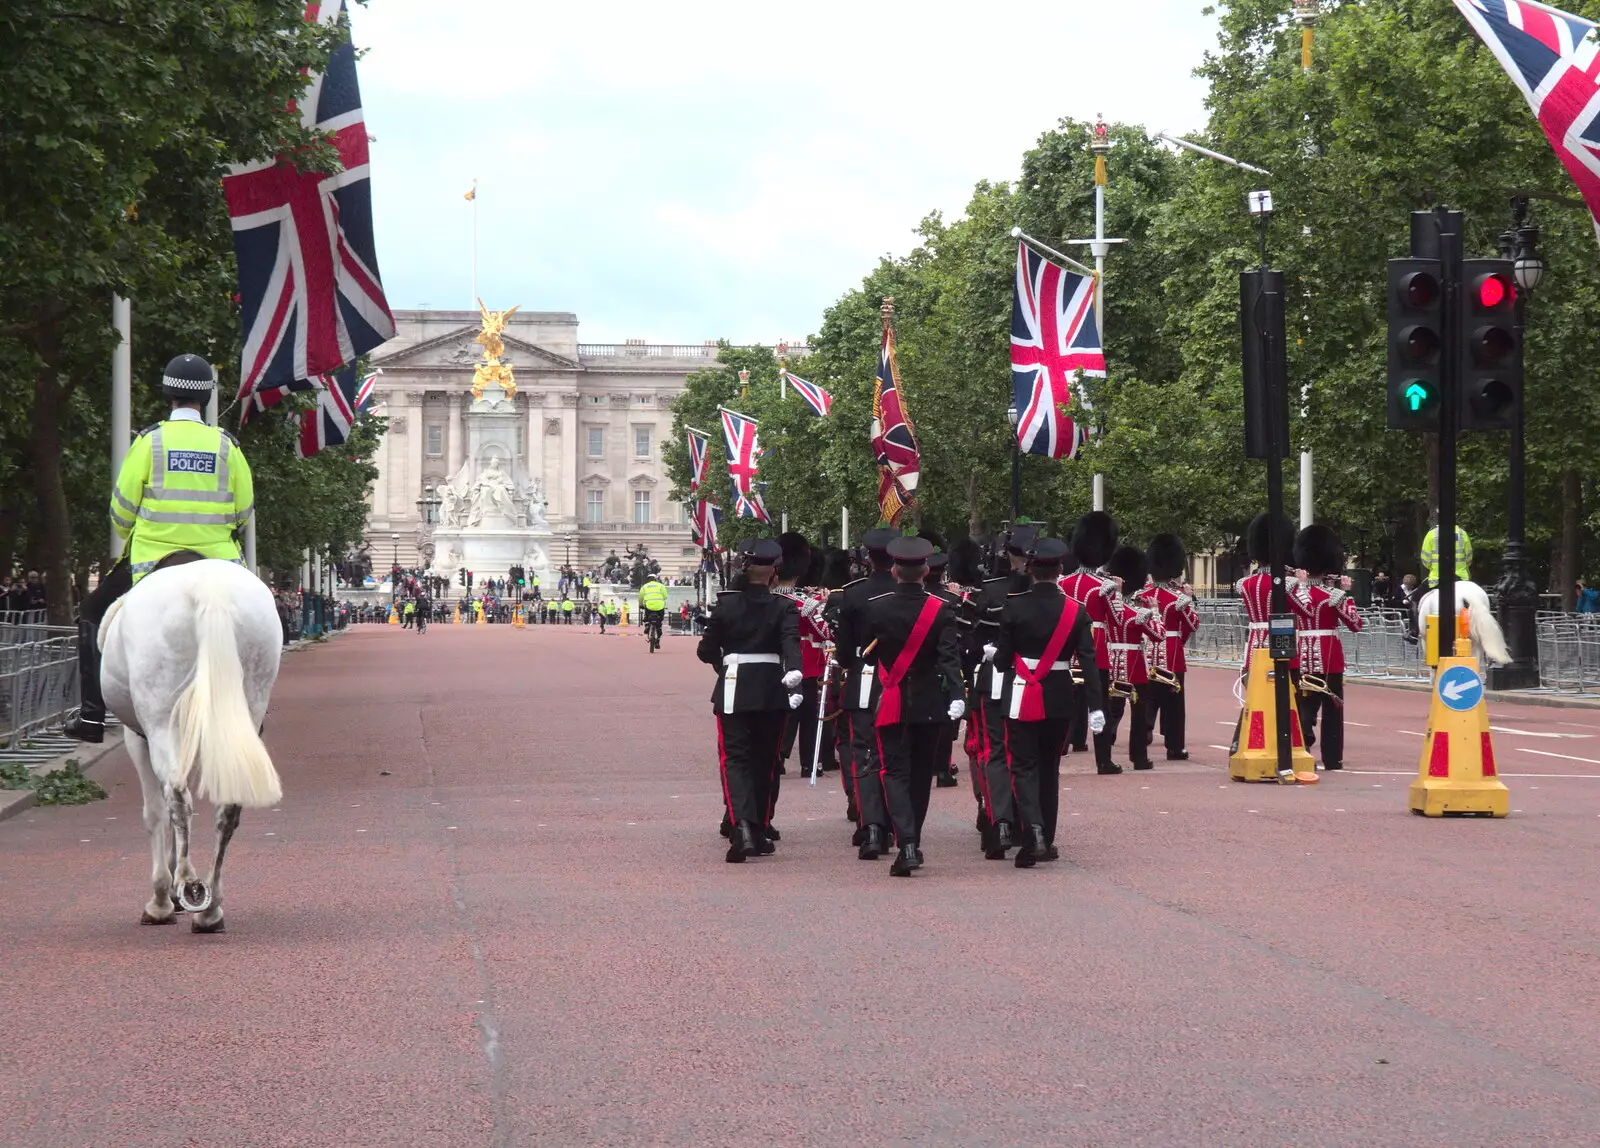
(147, 918)
(215, 927)
(193, 897)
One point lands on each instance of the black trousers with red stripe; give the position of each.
(866, 781)
(1033, 760)
(910, 752)
(1000, 800)
(747, 745)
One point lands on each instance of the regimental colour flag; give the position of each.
(1554, 59)
(703, 522)
(329, 422)
(699, 456)
(310, 296)
(744, 451)
(816, 398)
(1054, 342)
(894, 444)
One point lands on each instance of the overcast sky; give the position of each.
(702, 170)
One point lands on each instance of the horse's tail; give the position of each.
(213, 719)
(1487, 635)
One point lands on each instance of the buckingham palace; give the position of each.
(592, 421)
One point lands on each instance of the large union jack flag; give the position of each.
(752, 505)
(744, 451)
(329, 422)
(1554, 60)
(1053, 337)
(703, 522)
(699, 456)
(816, 398)
(308, 267)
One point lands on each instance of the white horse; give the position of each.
(1487, 639)
(190, 656)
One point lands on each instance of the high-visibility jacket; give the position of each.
(1430, 555)
(652, 596)
(183, 486)
(566, 605)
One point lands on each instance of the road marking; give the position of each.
(1223, 748)
(1380, 772)
(1236, 723)
(1562, 756)
(1362, 724)
(1536, 733)
(1412, 732)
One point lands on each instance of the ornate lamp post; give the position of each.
(1517, 596)
(427, 518)
(1012, 415)
(569, 540)
(394, 570)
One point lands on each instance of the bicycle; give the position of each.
(652, 629)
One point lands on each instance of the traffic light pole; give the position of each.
(1448, 228)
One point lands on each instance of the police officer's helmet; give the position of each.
(188, 378)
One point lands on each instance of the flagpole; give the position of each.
(474, 240)
(121, 395)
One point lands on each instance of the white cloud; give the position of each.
(723, 169)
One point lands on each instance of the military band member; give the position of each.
(1040, 629)
(964, 578)
(918, 653)
(814, 639)
(1128, 627)
(986, 723)
(859, 692)
(753, 638)
(1174, 599)
(1255, 589)
(962, 612)
(1321, 597)
(1093, 540)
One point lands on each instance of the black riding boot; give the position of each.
(91, 723)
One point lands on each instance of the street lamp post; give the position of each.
(1012, 415)
(394, 571)
(569, 540)
(1517, 596)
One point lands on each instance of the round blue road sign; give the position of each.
(1460, 687)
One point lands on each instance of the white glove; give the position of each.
(989, 651)
(1097, 721)
(791, 680)
(795, 700)
(957, 708)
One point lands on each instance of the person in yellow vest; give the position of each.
(566, 611)
(1430, 572)
(184, 486)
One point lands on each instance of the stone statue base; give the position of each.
(491, 552)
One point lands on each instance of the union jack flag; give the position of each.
(744, 451)
(894, 443)
(329, 422)
(365, 389)
(703, 522)
(699, 456)
(816, 398)
(1054, 336)
(1552, 57)
(310, 295)
(751, 505)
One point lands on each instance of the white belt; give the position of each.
(1317, 633)
(1033, 664)
(1097, 625)
(1018, 685)
(868, 673)
(1124, 645)
(1258, 625)
(730, 673)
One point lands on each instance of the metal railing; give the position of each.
(38, 693)
(1569, 651)
(707, 351)
(1379, 650)
(26, 626)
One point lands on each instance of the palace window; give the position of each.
(435, 440)
(597, 442)
(641, 442)
(641, 506)
(594, 507)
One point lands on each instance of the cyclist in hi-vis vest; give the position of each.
(184, 486)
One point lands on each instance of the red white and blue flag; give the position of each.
(894, 443)
(365, 389)
(699, 456)
(1054, 338)
(816, 398)
(703, 522)
(744, 451)
(329, 422)
(1553, 58)
(309, 291)
(751, 505)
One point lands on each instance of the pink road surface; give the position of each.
(524, 933)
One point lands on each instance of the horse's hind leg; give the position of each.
(159, 910)
(210, 921)
(191, 893)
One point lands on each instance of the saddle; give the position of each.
(176, 558)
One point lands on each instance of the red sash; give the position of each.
(1032, 707)
(889, 703)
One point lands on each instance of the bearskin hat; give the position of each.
(932, 536)
(1094, 538)
(796, 555)
(1128, 563)
(1166, 556)
(1258, 541)
(836, 572)
(965, 559)
(1317, 550)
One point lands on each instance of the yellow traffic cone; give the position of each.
(1254, 756)
(516, 619)
(1456, 772)
(455, 619)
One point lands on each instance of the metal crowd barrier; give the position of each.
(1569, 651)
(1378, 651)
(38, 693)
(25, 626)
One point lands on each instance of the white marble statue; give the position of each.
(533, 495)
(493, 495)
(452, 510)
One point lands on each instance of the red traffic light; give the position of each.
(1419, 289)
(1494, 290)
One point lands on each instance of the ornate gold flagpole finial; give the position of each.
(1305, 11)
(1100, 143)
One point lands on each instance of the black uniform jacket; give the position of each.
(753, 638)
(847, 616)
(934, 680)
(992, 596)
(1026, 623)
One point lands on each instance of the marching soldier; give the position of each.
(1093, 540)
(753, 638)
(1040, 628)
(1321, 597)
(1255, 589)
(964, 578)
(1128, 627)
(814, 639)
(918, 654)
(986, 728)
(1173, 599)
(859, 691)
(944, 775)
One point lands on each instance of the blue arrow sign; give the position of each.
(1460, 688)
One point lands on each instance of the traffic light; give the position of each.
(1416, 343)
(461, 575)
(1491, 352)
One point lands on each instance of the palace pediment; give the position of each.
(455, 350)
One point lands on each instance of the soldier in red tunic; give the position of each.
(1128, 626)
(1173, 599)
(1322, 599)
(1256, 588)
(1093, 540)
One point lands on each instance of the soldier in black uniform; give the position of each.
(918, 651)
(999, 812)
(1036, 695)
(753, 638)
(961, 613)
(859, 692)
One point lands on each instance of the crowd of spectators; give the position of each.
(22, 592)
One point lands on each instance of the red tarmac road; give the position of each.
(525, 933)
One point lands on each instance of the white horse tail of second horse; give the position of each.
(1487, 637)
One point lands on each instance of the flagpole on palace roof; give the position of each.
(472, 198)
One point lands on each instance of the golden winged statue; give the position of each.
(492, 369)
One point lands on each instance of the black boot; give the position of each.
(1033, 847)
(945, 779)
(1177, 755)
(765, 842)
(905, 861)
(90, 725)
(999, 841)
(741, 843)
(726, 828)
(871, 843)
(1107, 767)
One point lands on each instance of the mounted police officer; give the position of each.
(184, 487)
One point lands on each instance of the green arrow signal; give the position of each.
(1416, 395)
